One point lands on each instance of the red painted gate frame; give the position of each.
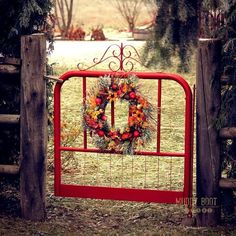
(115, 193)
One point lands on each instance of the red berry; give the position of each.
(114, 86)
(132, 95)
(104, 117)
(119, 92)
(125, 136)
(98, 101)
(136, 133)
(100, 133)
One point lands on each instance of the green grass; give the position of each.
(74, 216)
(162, 168)
(125, 171)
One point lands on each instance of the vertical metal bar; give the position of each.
(145, 172)
(191, 152)
(112, 109)
(192, 137)
(188, 145)
(171, 165)
(121, 56)
(158, 171)
(159, 94)
(85, 131)
(110, 171)
(112, 114)
(84, 102)
(57, 138)
(122, 171)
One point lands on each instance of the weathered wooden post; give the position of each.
(208, 143)
(33, 123)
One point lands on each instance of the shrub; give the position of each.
(75, 33)
(97, 34)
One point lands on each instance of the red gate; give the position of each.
(145, 194)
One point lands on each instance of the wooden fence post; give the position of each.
(208, 143)
(33, 127)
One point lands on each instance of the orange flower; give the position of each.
(92, 102)
(131, 121)
(95, 115)
(126, 88)
(143, 102)
(113, 134)
(112, 96)
(138, 116)
(132, 109)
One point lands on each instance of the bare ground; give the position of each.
(69, 216)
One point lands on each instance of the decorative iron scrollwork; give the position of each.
(119, 57)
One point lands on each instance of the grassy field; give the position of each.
(70, 216)
(127, 171)
(149, 172)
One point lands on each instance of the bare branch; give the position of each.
(64, 14)
(129, 10)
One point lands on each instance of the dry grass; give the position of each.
(71, 216)
(126, 171)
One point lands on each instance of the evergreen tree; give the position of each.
(179, 23)
(21, 17)
(17, 18)
(176, 32)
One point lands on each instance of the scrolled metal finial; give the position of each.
(129, 59)
(121, 58)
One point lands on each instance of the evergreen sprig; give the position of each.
(175, 33)
(21, 17)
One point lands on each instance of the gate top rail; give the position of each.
(124, 74)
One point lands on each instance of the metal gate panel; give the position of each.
(124, 193)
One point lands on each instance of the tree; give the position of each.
(176, 32)
(63, 14)
(178, 27)
(17, 17)
(21, 17)
(179, 24)
(129, 10)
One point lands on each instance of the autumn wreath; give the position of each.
(137, 131)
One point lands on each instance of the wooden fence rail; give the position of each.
(9, 119)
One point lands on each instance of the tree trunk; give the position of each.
(208, 143)
(33, 127)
